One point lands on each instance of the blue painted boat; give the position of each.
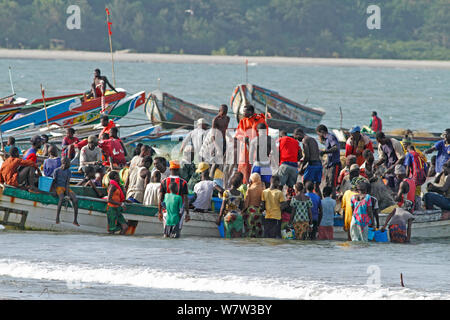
(63, 113)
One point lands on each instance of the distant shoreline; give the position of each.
(123, 56)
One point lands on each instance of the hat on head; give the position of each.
(201, 121)
(92, 139)
(174, 164)
(202, 167)
(354, 167)
(36, 139)
(399, 169)
(355, 129)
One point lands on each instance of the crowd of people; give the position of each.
(288, 187)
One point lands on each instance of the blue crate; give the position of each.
(216, 204)
(45, 183)
(381, 236)
(338, 221)
(371, 234)
(221, 228)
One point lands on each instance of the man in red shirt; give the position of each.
(356, 145)
(246, 131)
(290, 154)
(375, 123)
(31, 154)
(69, 143)
(112, 149)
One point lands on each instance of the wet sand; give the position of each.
(124, 56)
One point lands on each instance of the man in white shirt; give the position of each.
(90, 155)
(196, 138)
(204, 189)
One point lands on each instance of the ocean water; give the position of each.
(67, 266)
(404, 98)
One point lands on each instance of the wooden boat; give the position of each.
(39, 103)
(432, 224)
(419, 140)
(171, 112)
(10, 105)
(64, 112)
(115, 111)
(40, 213)
(285, 114)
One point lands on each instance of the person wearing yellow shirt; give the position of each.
(273, 202)
(346, 205)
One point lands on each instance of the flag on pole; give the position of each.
(109, 22)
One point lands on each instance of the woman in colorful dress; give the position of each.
(302, 214)
(252, 214)
(400, 222)
(232, 205)
(116, 199)
(362, 213)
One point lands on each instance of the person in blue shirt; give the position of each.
(443, 149)
(52, 163)
(316, 210)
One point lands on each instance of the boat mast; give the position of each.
(11, 82)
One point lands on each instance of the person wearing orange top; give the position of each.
(107, 125)
(116, 203)
(246, 131)
(9, 173)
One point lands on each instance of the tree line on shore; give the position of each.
(410, 29)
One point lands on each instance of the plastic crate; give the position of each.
(371, 234)
(221, 228)
(338, 221)
(45, 184)
(216, 204)
(381, 236)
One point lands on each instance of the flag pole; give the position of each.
(45, 106)
(11, 82)
(110, 45)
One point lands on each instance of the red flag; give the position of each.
(107, 11)
(109, 28)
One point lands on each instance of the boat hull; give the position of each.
(92, 218)
(63, 113)
(285, 114)
(427, 225)
(172, 112)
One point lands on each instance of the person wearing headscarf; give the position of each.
(253, 223)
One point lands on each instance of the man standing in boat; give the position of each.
(196, 138)
(443, 149)
(98, 87)
(375, 123)
(246, 131)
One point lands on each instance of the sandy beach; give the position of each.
(203, 59)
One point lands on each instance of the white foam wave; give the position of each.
(221, 284)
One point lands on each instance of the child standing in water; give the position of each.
(174, 205)
(362, 213)
(61, 181)
(302, 214)
(116, 199)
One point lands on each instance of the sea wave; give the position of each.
(257, 287)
